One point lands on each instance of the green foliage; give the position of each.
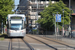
(5, 9)
(34, 31)
(47, 18)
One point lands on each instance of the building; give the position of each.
(23, 7)
(72, 7)
(34, 7)
(70, 4)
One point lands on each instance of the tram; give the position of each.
(16, 25)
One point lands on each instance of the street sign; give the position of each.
(58, 17)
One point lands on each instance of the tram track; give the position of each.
(46, 38)
(57, 42)
(31, 48)
(11, 45)
(51, 41)
(25, 44)
(53, 48)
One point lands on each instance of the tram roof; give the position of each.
(16, 15)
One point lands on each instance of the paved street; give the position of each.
(38, 42)
(37, 21)
(65, 39)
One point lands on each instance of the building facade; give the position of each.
(34, 7)
(70, 4)
(23, 7)
(72, 7)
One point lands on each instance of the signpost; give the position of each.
(58, 19)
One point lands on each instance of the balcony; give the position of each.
(32, 13)
(42, 2)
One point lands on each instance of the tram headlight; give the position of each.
(22, 31)
(10, 31)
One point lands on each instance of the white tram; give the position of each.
(16, 25)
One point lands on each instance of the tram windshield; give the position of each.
(16, 26)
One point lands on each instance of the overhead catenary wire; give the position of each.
(18, 5)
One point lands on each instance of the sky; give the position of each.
(16, 2)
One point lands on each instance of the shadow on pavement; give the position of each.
(6, 36)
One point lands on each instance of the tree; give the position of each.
(47, 19)
(5, 9)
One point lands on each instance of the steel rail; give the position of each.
(10, 44)
(31, 48)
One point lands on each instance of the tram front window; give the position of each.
(16, 26)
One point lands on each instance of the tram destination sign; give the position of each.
(16, 17)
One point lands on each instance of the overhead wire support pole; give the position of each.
(18, 5)
(71, 24)
(57, 25)
(70, 18)
(37, 9)
(63, 22)
(37, 15)
(54, 22)
(70, 27)
(69, 4)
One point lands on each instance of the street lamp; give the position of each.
(63, 22)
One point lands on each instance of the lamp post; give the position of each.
(63, 22)
(54, 22)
